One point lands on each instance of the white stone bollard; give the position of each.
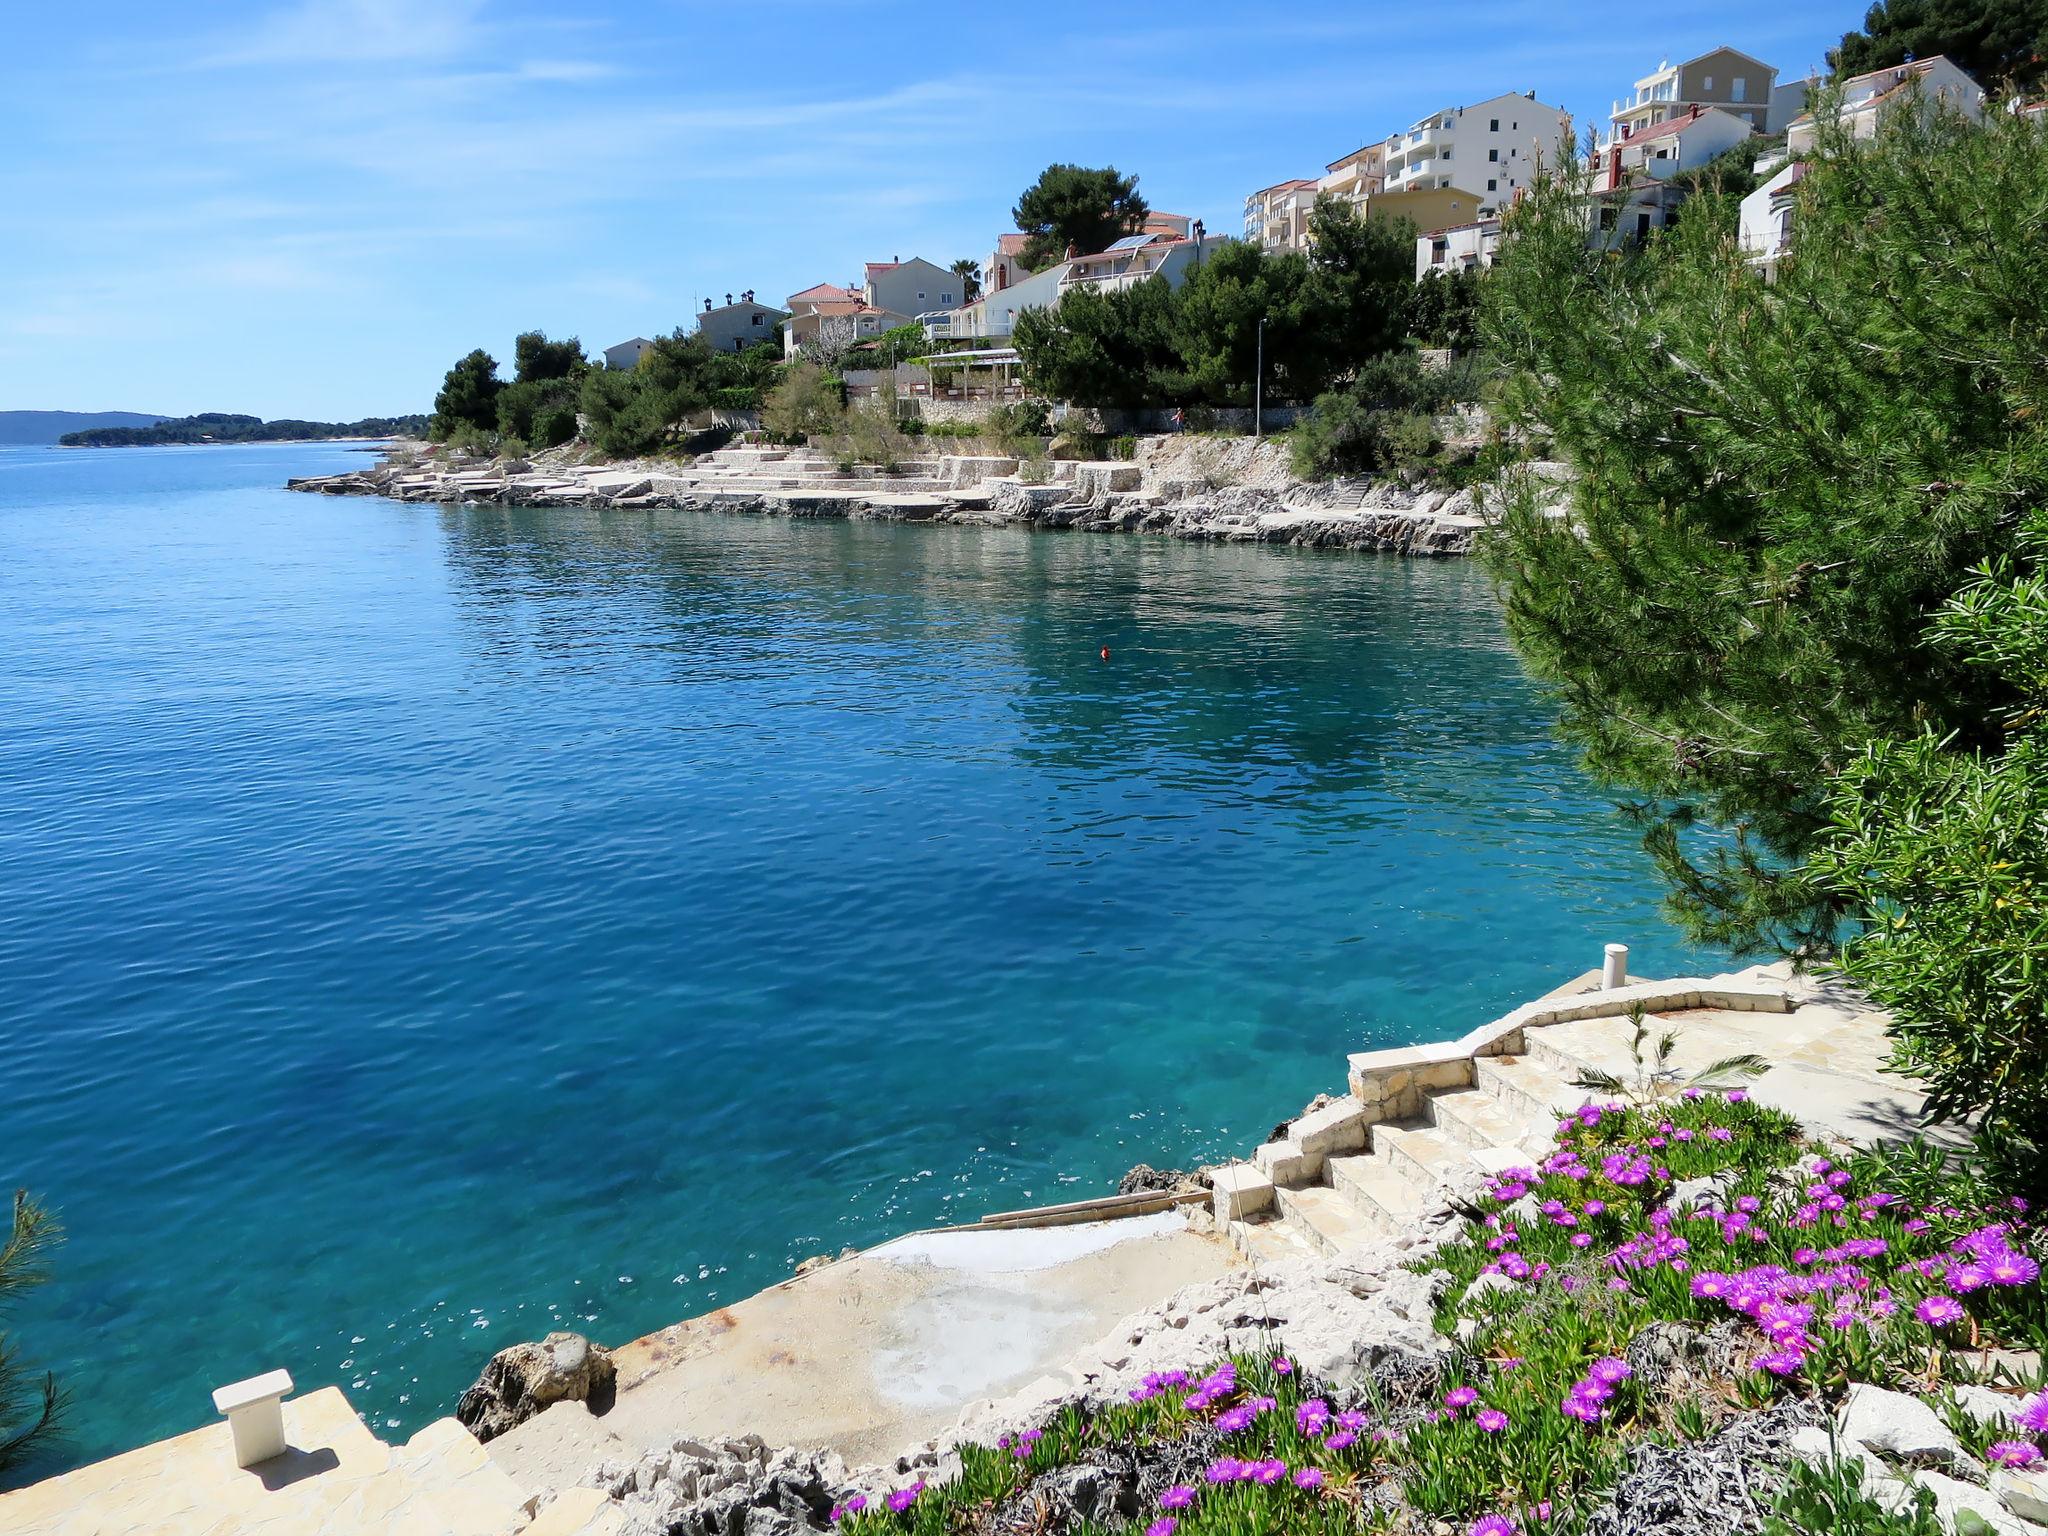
(255, 1410)
(1615, 972)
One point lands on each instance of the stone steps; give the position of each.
(1344, 1175)
(1535, 1087)
(1328, 1218)
(1475, 1119)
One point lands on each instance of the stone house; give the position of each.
(735, 326)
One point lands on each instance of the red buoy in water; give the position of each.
(1105, 653)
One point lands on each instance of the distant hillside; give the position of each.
(49, 426)
(224, 427)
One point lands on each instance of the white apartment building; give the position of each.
(1723, 77)
(1768, 213)
(1276, 217)
(1491, 149)
(1866, 98)
(1461, 248)
(1358, 176)
(1131, 260)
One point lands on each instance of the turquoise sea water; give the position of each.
(419, 927)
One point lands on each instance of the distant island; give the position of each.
(223, 427)
(37, 427)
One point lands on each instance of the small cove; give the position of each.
(427, 926)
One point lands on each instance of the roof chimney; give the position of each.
(728, 298)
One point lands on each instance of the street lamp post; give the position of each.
(1259, 387)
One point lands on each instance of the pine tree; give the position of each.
(1778, 485)
(29, 1407)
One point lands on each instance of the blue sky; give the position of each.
(311, 208)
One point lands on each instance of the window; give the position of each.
(1494, 126)
(945, 298)
(756, 320)
(1447, 151)
(920, 293)
(1738, 88)
(1707, 85)
(1493, 154)
(1493, 186)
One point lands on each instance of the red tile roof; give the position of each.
(818, 293)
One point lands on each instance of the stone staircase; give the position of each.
(1422, 1119)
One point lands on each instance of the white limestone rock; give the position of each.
(2024, 1493)
(1951, 1497)
(1897, 1425)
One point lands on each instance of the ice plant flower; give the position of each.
(1235, 1419)
(1309, 1477)
(1163, 1526)
(1493, 1525)
(1268, 1472)
(854, 1505)
(2033, 1415)
(1460, 1397)
(1937, 1311)
(1492, 1420)
(1282, 1366)
(1179, 1496)
(2015, 1453)
(1312, 1417)
(903, 1498)
(1226, 1469)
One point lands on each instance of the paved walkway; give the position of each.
(875, 1353)
(337, 1479)
(1826, 1057)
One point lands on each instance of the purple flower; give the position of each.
(1309, 1477)
(1786, 1361)
(1163, 1526)
(1937, 1311)
(2015, 1453)
(1179, 1496)
(1226, 1469)
(1342, 1440)
(1610, 1369)
(2033, 1414)
(1582, 1409)
(1492, 1420)
(1282, 1366)
(903, 1498)
(2013, 1269)
(1268, 1472)
(853, 1506)
(1493, 1525)
(1312, 1417)
(1460, 1397)
(1236, 1419)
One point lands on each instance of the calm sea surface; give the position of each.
(423, 927)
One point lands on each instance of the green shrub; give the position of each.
(1943, 849)
(806, 403)
(554, 425)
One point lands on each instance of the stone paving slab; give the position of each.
(337, 1479)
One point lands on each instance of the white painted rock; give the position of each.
(1897, 1425)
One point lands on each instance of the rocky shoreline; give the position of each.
(1199, 489)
